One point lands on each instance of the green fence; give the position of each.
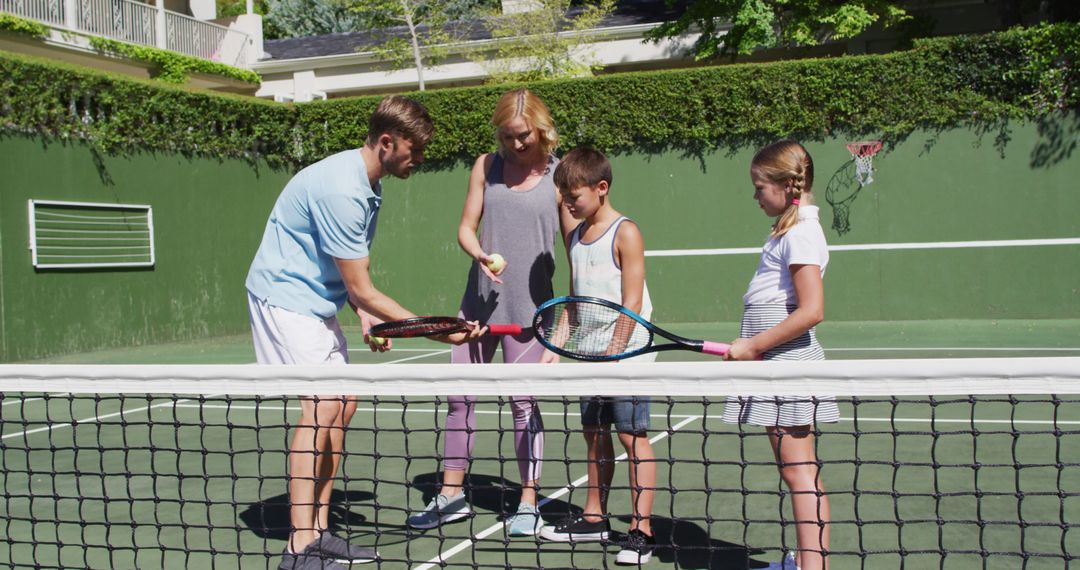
(955, 225)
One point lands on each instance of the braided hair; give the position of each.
(783, 161)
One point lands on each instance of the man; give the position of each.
(312, 260)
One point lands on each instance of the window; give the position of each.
(80, 234)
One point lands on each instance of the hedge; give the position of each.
(940, 83)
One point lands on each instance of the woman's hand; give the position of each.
(484, 261)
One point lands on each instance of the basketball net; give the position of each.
(863, 154)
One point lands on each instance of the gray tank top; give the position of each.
(522, 227)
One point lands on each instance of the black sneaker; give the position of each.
(637, 549)
(577, 529)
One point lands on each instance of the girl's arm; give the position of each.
(471, 214)
(811, 311)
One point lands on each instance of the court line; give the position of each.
(72, 423)
(875, 247)
(443, 556)
(417, 357)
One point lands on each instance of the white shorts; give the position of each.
(284, 337)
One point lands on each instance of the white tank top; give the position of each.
(596, 274)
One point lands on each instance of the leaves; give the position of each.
(943, 82)
(741, 26)
(547, 42)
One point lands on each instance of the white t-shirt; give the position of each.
(803, 244)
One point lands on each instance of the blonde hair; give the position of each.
(780, 162)
(401, 117)
(525, 103)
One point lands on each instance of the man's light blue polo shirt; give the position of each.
(328, 210)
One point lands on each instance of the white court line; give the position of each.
(443, 556)
(436, 353)
(25, 400)
(875, 247)
(72, 423)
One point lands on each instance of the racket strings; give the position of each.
(592, 330)
(419, 327)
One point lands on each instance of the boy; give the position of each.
(607, 260)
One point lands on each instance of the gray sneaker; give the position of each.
(310, 559)
(441, 509)
(338, 549)
(525, 522)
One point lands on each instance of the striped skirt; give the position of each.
(785, 410)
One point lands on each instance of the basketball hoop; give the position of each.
(863, 153)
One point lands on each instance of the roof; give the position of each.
(626, 13)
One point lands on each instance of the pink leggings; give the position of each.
(528, 426)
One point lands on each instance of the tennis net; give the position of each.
(967, 463)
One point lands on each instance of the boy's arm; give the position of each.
(630, 253)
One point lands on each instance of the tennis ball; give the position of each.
(377, 340)
(497, 263)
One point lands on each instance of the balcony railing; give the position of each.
(138, 23)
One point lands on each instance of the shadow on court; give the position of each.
(490, 494)
(682, 543)
(269, 519)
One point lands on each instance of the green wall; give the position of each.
(208, 217)
(1009, 183)
(1015, 183)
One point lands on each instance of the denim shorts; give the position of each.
(629, 414)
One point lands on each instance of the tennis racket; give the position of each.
(597, 330)
(433, 326)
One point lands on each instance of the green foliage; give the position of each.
(741, 26)
(120, 115)
(543, 43)
(301, 18)
(173, 67)
(22, 26)
(227, 8)
(941, 83)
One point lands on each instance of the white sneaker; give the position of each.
(788, 563)
(440, 510)
(525, 522)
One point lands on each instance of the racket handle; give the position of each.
(509, 330)
(717, 348)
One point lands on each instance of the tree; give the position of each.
(740, 26)
(427, 24)
(545, 42)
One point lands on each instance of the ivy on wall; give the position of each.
(940, 83)
(173, 67)
(15, 24)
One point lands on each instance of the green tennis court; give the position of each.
(186, 482)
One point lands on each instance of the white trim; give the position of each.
(893, 377)
(876, 247)
(36, 247)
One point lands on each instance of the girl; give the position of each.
(513, 191)
(783, 303)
